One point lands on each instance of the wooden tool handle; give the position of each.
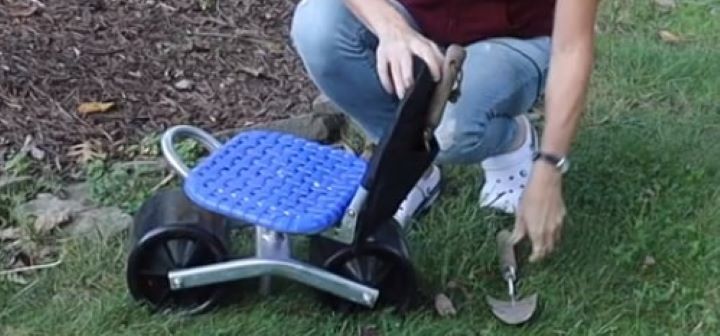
(454, 58)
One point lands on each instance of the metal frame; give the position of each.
(273, 251)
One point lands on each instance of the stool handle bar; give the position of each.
(174, 134)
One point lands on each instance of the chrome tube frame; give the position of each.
(273, 259)
(174, 134)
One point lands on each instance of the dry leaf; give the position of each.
(369, 330)
(10, 234)
(184, 84)
(94, 107)
(29, 147)
(444, 306)
(669, 37)
(37, 153)
(206, 4)
(86, 152)
(648, 262)
(24, 11)
(48, 222)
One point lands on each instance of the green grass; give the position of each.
(645, 183)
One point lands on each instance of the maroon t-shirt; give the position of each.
(465, 21)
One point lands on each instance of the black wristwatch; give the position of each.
(560, 162)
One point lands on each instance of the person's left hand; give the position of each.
(541, 212)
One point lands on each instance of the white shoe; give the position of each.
(421, 197)
(507, 175)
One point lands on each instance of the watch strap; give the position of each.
(558, 161)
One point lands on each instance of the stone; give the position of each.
(99, 223)
(184, 84)
(320, 127)
(75, 214)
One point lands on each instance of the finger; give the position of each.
(538, 251)
(382, 70)
(557, 235)
(406, 66)
(439, 56)
(432, 62)
(436, 50)
(538, 243)
(396, 76)
(519, 231)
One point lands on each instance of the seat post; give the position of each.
(270, 245)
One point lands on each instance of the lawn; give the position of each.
(641, 247)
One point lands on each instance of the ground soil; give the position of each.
(161, 62)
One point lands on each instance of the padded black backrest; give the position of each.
(400, 158)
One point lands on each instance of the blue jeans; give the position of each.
(502, 77)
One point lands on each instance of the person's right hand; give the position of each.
(394, 59)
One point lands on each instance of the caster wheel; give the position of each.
(168, 234)
(381, 262)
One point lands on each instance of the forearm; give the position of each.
(570, 71)
(379, 16)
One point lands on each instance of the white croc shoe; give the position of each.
(507, 175)
(421, 197)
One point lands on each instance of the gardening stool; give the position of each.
(286, 186)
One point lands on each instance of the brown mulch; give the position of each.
(161, 62)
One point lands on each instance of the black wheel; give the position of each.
(168, 248)
(381, 262)
(171, 233)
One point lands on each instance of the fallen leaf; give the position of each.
(24, 11)
(30, 147)
(206, 4)
(666, 4)
(86, 152)
(50, 221)
(184, 84)
(94, 107)
(37, 153)
(444, 306)
(10, 234)
(255, 72)
(669, 37)
(369, 330)
(648, 262)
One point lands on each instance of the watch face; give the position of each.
(564, 165)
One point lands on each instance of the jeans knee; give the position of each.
(467, 142)
(314, 33)
(459, 145)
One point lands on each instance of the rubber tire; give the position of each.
(398, 285)
(170, 216)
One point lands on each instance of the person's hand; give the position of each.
(541, 212)
(394, 59)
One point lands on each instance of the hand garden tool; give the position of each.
(515, 310)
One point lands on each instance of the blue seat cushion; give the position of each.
(278, 181)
